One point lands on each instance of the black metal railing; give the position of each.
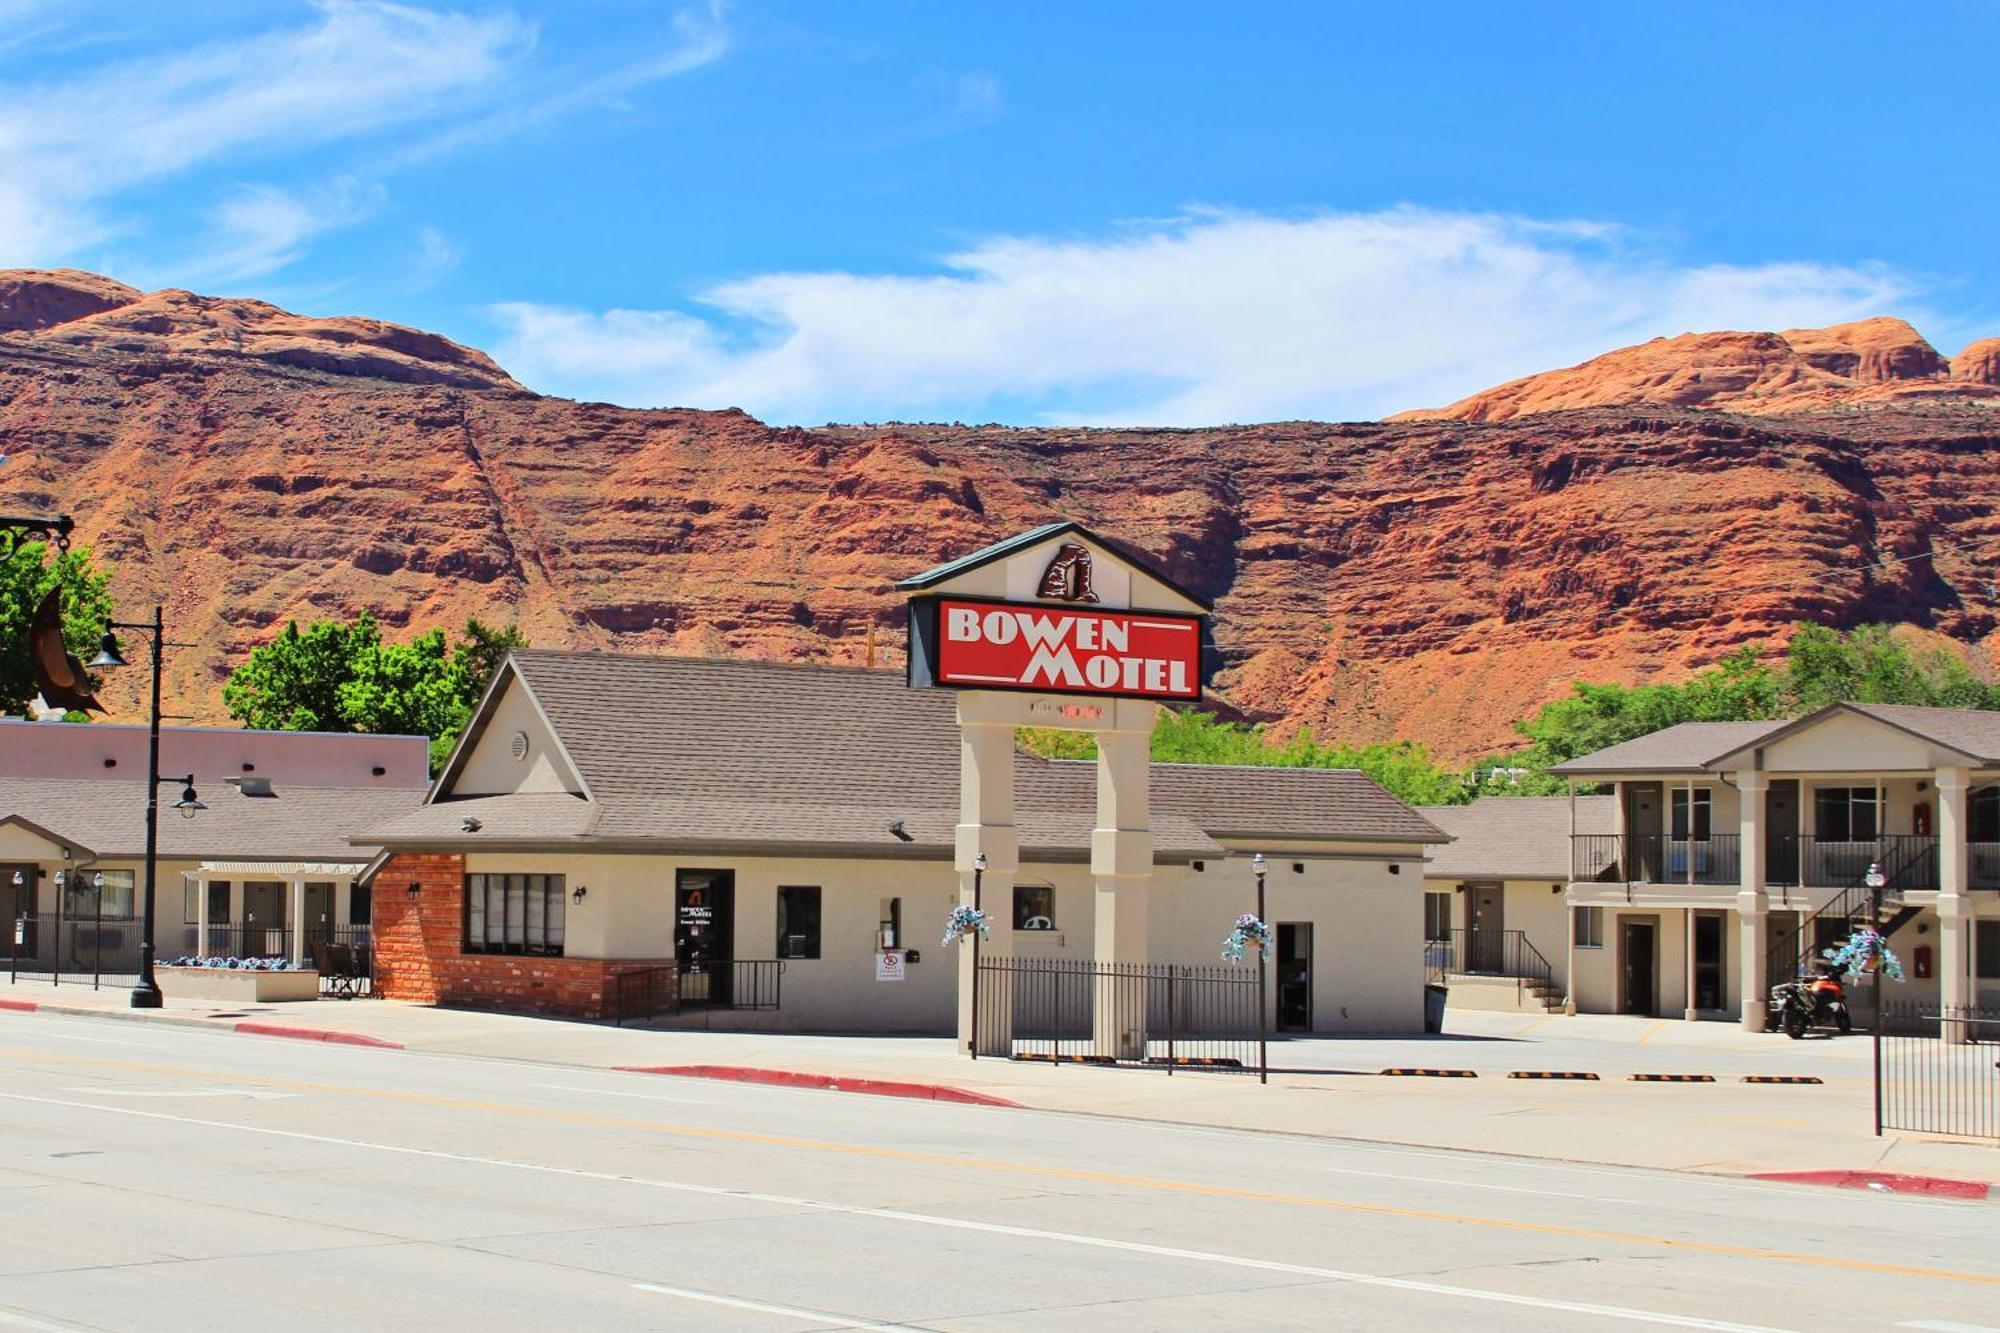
(665, 989)
(73, 950)
(1983, 866)
(1908, 860)
(1656, 858)
(241, 939)
(1935, 1070)
(1156, 1015)
(1490, 953)
(1903, 860)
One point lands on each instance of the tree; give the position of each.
(26, 576)
(343, 677)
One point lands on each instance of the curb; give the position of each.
(786, 1078)
(1890, 1182)
(252, 1029)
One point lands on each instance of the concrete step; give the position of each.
(1500, 994)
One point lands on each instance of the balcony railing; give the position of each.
(1909, 861)
(1654, 858)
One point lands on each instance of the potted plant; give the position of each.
(966, 921)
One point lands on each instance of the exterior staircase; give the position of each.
(1493, 970)
(1793, 948)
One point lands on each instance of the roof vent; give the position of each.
(518, 746)
(252, 786)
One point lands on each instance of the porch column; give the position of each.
(985, 827)
(295, 888)
(1753, 904)
(1121, 861)
(201, 913)
(1689, 854)
(1569, 932)
(1953, 902)
(1688, 1011)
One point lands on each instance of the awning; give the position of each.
(283, 869)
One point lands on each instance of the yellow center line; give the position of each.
(1031, 1170)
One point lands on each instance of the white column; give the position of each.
(1121, 862)
(1953, 901)
(296, 890)
(1753, 904)
(1688, 852)
(1688, 1011)
(985, 827)
(1569, 931)
(201, 913)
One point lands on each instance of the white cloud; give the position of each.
(259, 228)
(1211, 317)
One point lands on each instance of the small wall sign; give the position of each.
(889, 965)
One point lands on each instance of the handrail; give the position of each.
(1851, 902)
(1501, 953)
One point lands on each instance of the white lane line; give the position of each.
(1948, 1326)
(789, 1311)
(639, 1096)
(254, 1094)
(8, 1319)
(945, 1223)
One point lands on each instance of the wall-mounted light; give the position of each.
(378, 770)
(415, 890)
(19, 879)
(1298, 867)
(901, 834)
(469, 824)
(576, 894)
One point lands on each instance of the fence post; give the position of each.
(1173, 1024)
(1881, 1021)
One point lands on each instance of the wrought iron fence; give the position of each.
(74, 950)
(1144, 1014)
(1656, 858)
(643, 993)
(241, 939)
(1935, 1070)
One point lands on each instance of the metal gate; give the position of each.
(73, 950)
(1082, 1011)
(1935, 1070)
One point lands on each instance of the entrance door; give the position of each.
(1295, 976)
(1485, 928)
(18, 900)
(264, 920)
(705, 934)
(1638, 957)
(1781, 837)
(1643, 860)
(318, 924)
(1708, 961)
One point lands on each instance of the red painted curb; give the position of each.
(22, 1006)
(1937, 1187)
(786, 1078)
(316, 1034)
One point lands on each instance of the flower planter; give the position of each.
(237, 985)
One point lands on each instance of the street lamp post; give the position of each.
(1876, 882)
(146, 995)
(978, 879)
(1260, 867)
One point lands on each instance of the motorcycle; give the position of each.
(1809, 1002)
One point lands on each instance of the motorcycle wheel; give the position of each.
(1846, 1023)
(1795, 1024)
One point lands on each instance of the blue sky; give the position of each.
(1160, 213)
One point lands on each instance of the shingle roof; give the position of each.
(1684, 747)
(1513, 837)
(297, 824)
(703, 752)
(1970, 731)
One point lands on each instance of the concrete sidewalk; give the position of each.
(1726, 1126)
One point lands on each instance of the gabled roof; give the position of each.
(297, 824)
(707, 753)
(76, 851)
(1971, 732)
(1686, 747)
(965, 564)
(1513, 837)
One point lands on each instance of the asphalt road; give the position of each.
(156, 1179)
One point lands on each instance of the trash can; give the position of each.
(1433, 1008)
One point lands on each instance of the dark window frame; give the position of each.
(814, 940)
(1587, 936)
(1437, 915)
(1846, 800)
(1704, 814)
(1986, 949)
(543, 905)
(1022, 914)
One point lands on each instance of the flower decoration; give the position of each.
(236, 964)
(964, 921)
(1865, 951)
(1248, 933)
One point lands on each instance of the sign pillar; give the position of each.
(1121, 863)
(985, 827)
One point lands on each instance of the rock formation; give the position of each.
(1429, 578)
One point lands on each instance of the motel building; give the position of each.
(267, 866)
(757, 845)
(1735, 852)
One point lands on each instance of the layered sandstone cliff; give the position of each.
(1431, 579)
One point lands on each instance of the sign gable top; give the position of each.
(1021, 567)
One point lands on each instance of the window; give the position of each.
(102, 893)
(1700, 822)
(514, 914)
(1589, 927)
(1034, 907)
(1986, 950)
(1985, 812)
(798, 922)
(191, 903)
(361, 905)
(1437, 916)
(1844, 814)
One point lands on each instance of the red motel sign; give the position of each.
(1065, 649)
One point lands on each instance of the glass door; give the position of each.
(705, 935)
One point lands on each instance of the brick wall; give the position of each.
(419, 943)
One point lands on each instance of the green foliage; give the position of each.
(343, 677)
(25, 578)
(1190, 737)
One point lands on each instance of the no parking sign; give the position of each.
(889, 965)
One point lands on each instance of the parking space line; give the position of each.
(836, 1321)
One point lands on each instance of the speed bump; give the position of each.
(1671, 1078)
(1782, 1078)
(1576, 1074)
(1430, 1073)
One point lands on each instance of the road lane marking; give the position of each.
(254, 1094)
(952, 1223)
(637, 1096)
(789, 1311)
(1949, 1326)
(992, 1166)
(1652, 1032)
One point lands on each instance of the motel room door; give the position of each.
(705, 934)
(1638, 960)
(1295, 976)
(1485, 928)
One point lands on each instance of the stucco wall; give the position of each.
(491, 768)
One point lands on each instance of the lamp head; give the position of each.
(1258, 865)
(1875, 879)
(189, 803)
(979, 863)
(107, 653)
